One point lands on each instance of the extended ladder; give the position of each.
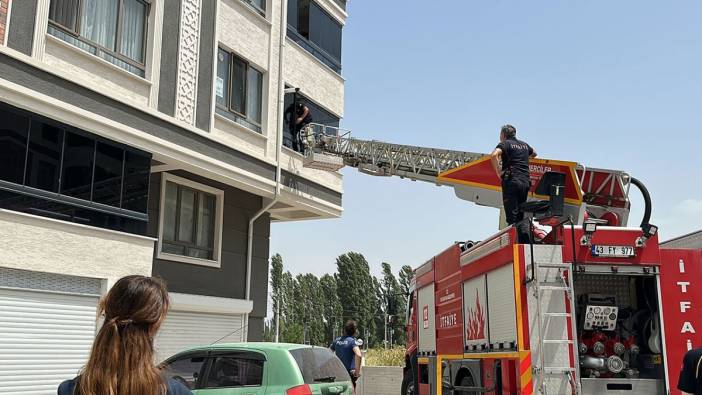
(555, 286)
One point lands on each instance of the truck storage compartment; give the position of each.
(618, 333)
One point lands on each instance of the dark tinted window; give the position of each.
(65, 13)
(13, 145)
(188, 222)
(137, 169)
(238, 87)
(325, 31)
(186, 370)
(77, 172)
(107, 186)
(44, 156)
(236, 371)
(319, 364)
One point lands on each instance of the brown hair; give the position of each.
(122, 358)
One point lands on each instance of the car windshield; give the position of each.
(318, 364)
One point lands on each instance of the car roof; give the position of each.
(253, 346)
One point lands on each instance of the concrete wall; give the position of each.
(4, 4)
(52, 246)
(380, 380)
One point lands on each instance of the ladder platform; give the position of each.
(321, 161)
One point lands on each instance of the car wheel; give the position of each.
(408, 383)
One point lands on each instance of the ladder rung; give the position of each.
(561, 370)
(553, 287)
(567, 315)
(557, 341)
(554, 265)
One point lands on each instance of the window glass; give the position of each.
(77, 170)
(254, 95)
(293, 6)
(325, 31)
(107, 186)
(303, 18)
(44, 156)
(133, 23)
(260, 4)
(238, 99)
(186, 216)
(235, 371)
(188, 222)
(186, 370)
(317, 363)
(137, 170)
(13, 145)
(65, 13)
(222, 82)
(99, 22)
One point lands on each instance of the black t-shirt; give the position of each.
(515, 159)
(690, 376)
(174, 388)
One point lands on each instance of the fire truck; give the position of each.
(589, 306)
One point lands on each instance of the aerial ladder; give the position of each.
(596, 194)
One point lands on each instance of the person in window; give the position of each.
(347, 350)
(690, 381)
(514, 157)
(301, 118)
(121, 359)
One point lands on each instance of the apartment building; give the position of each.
(145, 137)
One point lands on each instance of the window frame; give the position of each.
(263, 12)
(216, 260)
(118, 34)
(228, 98)
(204, 369)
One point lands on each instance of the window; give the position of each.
(114, 30)
(258, 6)
(317, 363)
(245, 370)
(190, 221)
(187, 370)
(319, 115)
(316, 31)
(239, 90)
(54, 170)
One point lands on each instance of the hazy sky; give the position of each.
(610, 84)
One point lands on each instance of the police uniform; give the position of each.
(690, 379)
(516, 183)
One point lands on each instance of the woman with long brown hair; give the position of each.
(122, 358)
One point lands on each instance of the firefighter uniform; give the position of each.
(515, 183)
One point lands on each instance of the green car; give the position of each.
(260, 369)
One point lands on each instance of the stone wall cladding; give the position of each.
(4, 5)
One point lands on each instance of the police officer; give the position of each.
(346, 348)
(690, 381)
(513, 155)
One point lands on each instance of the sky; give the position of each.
(608, 84)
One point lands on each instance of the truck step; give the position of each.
(552, 287)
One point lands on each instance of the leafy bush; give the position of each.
(382, 357)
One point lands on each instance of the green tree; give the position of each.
(356, 290)
(276, 286)
(332, 311)
(392, 304)
(405, 276)
(311, 307)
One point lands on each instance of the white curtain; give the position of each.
(99, 22)
(133, 24)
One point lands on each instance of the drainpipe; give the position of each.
(278, 150)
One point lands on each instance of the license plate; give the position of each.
(613, 251)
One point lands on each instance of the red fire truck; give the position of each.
(590, 306)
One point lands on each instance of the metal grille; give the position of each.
(604, 284)
(25, 279)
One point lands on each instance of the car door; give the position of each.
(234, 373)
(188, 368)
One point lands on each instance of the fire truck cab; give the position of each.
(589, 310)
